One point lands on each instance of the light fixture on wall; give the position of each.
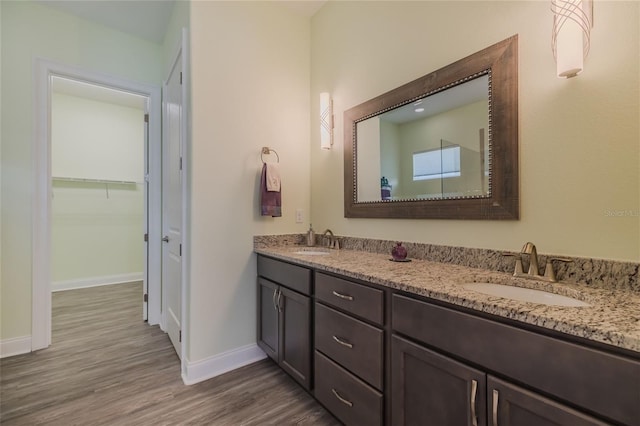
(572, 23)
(326, 121)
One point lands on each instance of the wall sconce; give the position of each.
(572, 23)
(326, 121)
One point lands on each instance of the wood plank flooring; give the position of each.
(107, 367)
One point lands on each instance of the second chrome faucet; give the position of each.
(329, 240)
(533, 272)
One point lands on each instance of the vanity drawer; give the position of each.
(348, 398)
(599, 381)
(355, 345)
(295, 277)
(360, 300)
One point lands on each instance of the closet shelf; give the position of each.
(107, 181)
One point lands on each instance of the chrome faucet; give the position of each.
(530, 249)
(329, 240)
(534, 271)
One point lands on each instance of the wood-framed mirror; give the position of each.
(458, 160)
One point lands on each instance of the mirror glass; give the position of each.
(443, 146)
(431, 148)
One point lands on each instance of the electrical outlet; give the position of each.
(299, 216)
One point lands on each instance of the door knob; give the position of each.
(165, 239)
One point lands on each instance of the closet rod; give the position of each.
(121, 182)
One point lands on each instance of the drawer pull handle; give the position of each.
(342, 342)
(472, 402)
(344, 401)
(495, 407)
(342, 296)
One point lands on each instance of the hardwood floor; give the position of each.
(107, 367)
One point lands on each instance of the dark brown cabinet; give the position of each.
(349, 350)
(430, 389)
(268, 318)
(375, 356)
(349, 399)
(511, 405)
(574, 374)
(284, 323)
(355, 345)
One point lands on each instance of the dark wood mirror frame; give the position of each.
(503, 203)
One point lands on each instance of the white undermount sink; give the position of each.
(524, 294)
(312, 252)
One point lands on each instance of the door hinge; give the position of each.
(180, 336)
(146, 118)
(145, 297)
(180, 249)
(180, 163)
(180, 77)
(146, 238)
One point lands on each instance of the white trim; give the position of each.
(96, 281)
(41, 210)
(222, 363)
(15, 346)
(41, 206)
(186, 195)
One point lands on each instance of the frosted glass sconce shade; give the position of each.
(326, 121)
(572, 23)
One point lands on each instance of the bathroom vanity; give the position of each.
(379, 342)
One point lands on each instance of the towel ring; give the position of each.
(267, 150)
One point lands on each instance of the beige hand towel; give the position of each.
(273, 177)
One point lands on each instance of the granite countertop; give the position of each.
(613, 316)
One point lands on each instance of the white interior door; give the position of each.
(145, 253)
(172, 206)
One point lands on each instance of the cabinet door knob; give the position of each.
(341, 399)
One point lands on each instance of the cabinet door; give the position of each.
(431, 389)
(268, 318)
(295, 335)
(512, 405)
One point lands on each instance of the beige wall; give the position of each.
(579, 138)
(30, 30)
(250, 88)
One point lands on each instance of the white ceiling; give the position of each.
(147, 19)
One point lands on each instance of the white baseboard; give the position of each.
(96, 281)
(222, 363)
(15, 346)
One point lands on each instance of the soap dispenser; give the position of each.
(311, 237)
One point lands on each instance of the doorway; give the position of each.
(99, 194)
(45, 73)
